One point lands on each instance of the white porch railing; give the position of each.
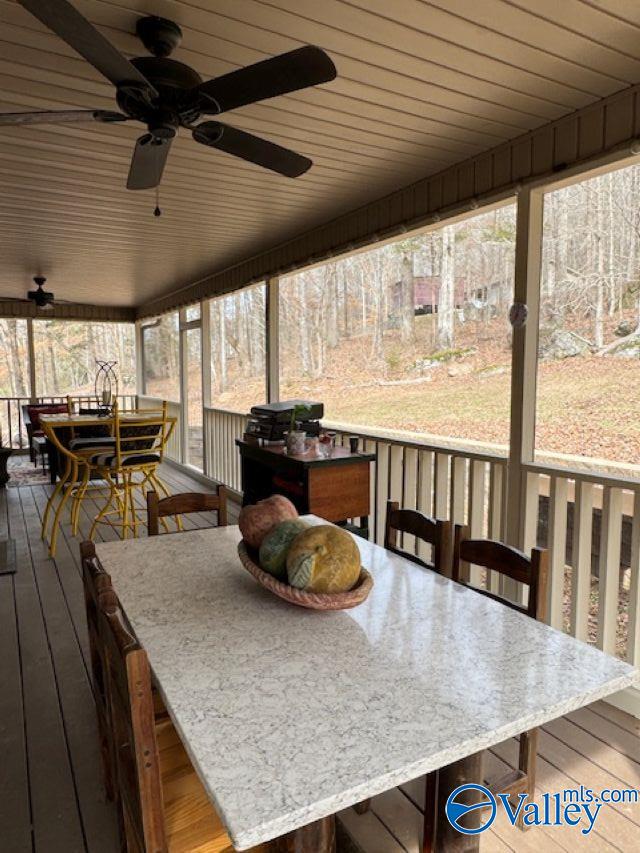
(12, 428)
(589, 522)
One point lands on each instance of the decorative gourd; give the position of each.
(323, 559)
(256, 520)
(275, 546)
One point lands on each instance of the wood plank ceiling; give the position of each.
(421, 85)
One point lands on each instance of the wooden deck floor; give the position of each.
(51, 795)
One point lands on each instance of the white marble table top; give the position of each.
(290, 715)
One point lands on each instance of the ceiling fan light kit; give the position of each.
(166, 95)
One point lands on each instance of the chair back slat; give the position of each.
(434, 532)
(183, 504)
(137, 764)
(531, 571)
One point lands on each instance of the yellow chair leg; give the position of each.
(125, 508)
(112, 501)
(52, 498)
(61, 505)
(77, 500)
(134, 512)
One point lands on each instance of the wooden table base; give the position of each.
(439, 835)
(317, 837)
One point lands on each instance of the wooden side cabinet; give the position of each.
(336, 489)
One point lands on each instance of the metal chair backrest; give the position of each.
(506, 561)
(433, 531)
(183, 504)
(142, 434)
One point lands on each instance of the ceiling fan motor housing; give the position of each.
(174, 81)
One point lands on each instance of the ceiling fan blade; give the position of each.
(305, 66)
(147, 163)
(251, 148)
(62, 117)
(65, 21)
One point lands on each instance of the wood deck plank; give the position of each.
(610, 824)
(97, 816)
(15, 807)
(56, 820)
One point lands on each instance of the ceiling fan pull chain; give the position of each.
(157, 211)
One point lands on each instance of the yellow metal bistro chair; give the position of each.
(140, 441)
(76, 472)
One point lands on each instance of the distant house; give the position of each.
(426, 294)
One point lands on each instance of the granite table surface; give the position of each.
(290, 715)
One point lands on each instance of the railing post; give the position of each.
(273, 339)
(33, 391)
(524, 360)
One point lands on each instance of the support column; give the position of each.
(33, 391)
(205, 354)
(273, 340)
(524, 360)
(139, 347)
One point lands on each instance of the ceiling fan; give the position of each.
(165, 94)
(42, 298)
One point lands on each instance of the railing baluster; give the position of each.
(581, 553)
(557, 545)
(410, 490)
(457, 512)
(609, 569)
(441, 486)
(371, 446)
(633, 625)
(425, 495)
(477, 488)
(497, 515)
(382, 489)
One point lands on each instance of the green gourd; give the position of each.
(276, 544)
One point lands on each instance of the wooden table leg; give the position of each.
(439, 835)
(316, 837)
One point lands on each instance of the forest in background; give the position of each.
(353, 335)
(66, 354)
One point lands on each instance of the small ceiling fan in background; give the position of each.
(165, 94)
(44, 300)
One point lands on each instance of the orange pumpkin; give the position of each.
(256, 520)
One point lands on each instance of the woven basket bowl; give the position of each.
(312, 600)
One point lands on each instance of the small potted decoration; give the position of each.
(296, 438)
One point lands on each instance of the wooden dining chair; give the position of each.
(96, 581)
(164, 807)
(183, 504)
(434, 531)
(532, 572)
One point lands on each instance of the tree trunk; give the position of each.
(407, 298)
(447, 291)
